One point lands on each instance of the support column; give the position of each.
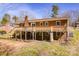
(25, 35)
(42, 35)
(10, 37)
(33, 35)
(51, 36)
(15, 35)
(20, 35)
(66, 36)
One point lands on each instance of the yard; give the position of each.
(40, 48)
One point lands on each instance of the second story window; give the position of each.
(33, 24)
(41, 23)
(58, 23)
(46, 23)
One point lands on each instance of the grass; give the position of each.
(40, 48)
(75, 39)
(27, 52)
(43, 48)
(46, 49)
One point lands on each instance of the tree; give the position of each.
(15, 18)
(55, 10)
(7, 16)
(78, 19)
(72, 15)
(5, 19)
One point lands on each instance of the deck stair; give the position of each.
(10, 33)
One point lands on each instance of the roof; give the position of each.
(47, 19)
(44, 19)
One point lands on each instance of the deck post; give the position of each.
(25, 35)
(20, 35)
(42, 35)
(33, 35)
(51, 36)
(66, 36)
(16, 35)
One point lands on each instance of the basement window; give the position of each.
(58, 23)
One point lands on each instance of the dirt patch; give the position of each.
(10, 46)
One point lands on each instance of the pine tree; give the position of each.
(55, 9)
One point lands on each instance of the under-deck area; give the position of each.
(57, 35)
(39, 35)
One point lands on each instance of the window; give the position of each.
(46, 23)
(58, 23)
(33, 24)
(41, 23)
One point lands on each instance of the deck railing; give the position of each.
(52, 28)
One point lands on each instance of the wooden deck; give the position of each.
(46, 28)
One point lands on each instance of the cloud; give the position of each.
(23, 12)
(20, 9)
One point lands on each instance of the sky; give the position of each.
(34, 10)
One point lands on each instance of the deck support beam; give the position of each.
(42, 35)
(25, 35)
(20, 35)
(51, 36)
(33, 35)
(15, 35)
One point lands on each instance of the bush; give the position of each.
(2, 32)
(75, 39)
(44, 49)
(27, 52)
(59, 50)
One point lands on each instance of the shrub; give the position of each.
(2, 32)
(27, 52)
(59, 50)
(75, 39)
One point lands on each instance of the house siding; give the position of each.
(51, 28)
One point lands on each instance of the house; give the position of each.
(48, 29)
(77, 25)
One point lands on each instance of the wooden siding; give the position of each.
(51, 26)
